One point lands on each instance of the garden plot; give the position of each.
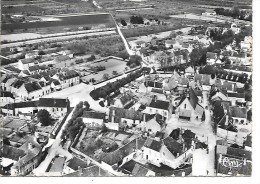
(15, 124)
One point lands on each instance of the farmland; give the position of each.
(88, 20)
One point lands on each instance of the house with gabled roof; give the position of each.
(125, 101)
(24, 64)
(20, 107)
(66, 77)
(24, 73)
(6, 97)
(93, 118)
(30, 90)
(25, 158)
(6, 83)
(75, 164)
(238, 114)
(138, 45)
(236, 97)
(120, 118)
(55, 106)
(136, 169)
(189, 107)
(122, 155)
(150, 124)
(163, 108)
(167, 151)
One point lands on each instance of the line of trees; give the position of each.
(236, 13)
(136, 20)
(76, 123)
(104, 91)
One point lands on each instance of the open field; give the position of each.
(64, 22)
(199, 17)
(111, 65)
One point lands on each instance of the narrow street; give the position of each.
(54, 150)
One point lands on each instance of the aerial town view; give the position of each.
(131, 88)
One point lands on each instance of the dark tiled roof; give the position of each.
(193, 98)
(139, 170)
(93, 115)
(26, 72)
(53, 102)
(34, 68)
(175, 133)
(12, 153)
(119, 154)
(68, 75)
(161, 135)
(12, 69)
(159, 104)
(27, 61)
(75, 163)
(173, 146)
(239, 153)
(239, 112)
(21, 105)
(198, 92)
(17, 84)
(153, 144)
(124, 113)
(227, 86)
(156, 90)
(32, 86)
(6, 94)
(126, 98)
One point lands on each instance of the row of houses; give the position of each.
(55, 106)
(32, 86)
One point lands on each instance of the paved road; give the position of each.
(54, 150)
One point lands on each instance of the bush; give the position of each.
(134, 60)
(44, 117)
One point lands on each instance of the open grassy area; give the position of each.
(110, 65)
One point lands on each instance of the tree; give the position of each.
(41, 52)
(134, 60)
(249, 115)
(123, 54)
(173, 34)
(44, 117)
(86, 104)
(123, 22)
(115, 73)
(162, 58)
(106, 76)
